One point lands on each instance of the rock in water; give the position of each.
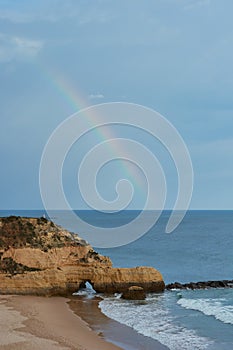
(201, 285)
(134, 293)
(41, 258)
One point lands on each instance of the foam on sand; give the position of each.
(153, 319)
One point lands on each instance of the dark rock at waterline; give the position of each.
(201, 285)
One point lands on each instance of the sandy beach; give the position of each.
(28, 322)
(31, 322)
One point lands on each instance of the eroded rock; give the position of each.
(134, 293)
(41, 258)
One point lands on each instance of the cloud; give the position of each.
(55, 11)
(21, 18)
(18, 48)
(16, 17)
(96, 96)
(196, 4)
(31, 12)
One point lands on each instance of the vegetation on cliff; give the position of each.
(40, 257)
(9, 266)
(18, 232)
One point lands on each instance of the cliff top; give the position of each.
(40, 257)
(21, 232)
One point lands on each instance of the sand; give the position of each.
(123, 336)
(39, 323)
(28, 322)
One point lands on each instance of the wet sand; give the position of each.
(112, 331)
(38, 323)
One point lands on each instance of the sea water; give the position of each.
(200, 249)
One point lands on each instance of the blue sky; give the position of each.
(174, 56)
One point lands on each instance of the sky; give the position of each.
(174, 56)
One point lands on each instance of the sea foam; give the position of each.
(210, 307)
(153, 319)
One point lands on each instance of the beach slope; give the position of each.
(30, 322)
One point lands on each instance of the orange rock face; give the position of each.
(38, 257)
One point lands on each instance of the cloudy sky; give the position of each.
(174, 56)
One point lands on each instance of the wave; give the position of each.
(153, 319)
(88, 291)
(210, 307)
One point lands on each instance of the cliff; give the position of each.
(41, 258)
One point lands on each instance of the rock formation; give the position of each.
(201, 285)
(41, 258)
(134, 293)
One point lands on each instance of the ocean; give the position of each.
(200, 249)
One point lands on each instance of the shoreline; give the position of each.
(119, 334)
(38, 323)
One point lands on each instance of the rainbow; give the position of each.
(78, 101)
(65, 88)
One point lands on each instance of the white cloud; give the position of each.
(57, 10)
(96, 96)
(18, 48)
(30, 12)
(192, 4)
(15, 17)
(18, 17)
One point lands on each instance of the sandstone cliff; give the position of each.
(41, 258)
